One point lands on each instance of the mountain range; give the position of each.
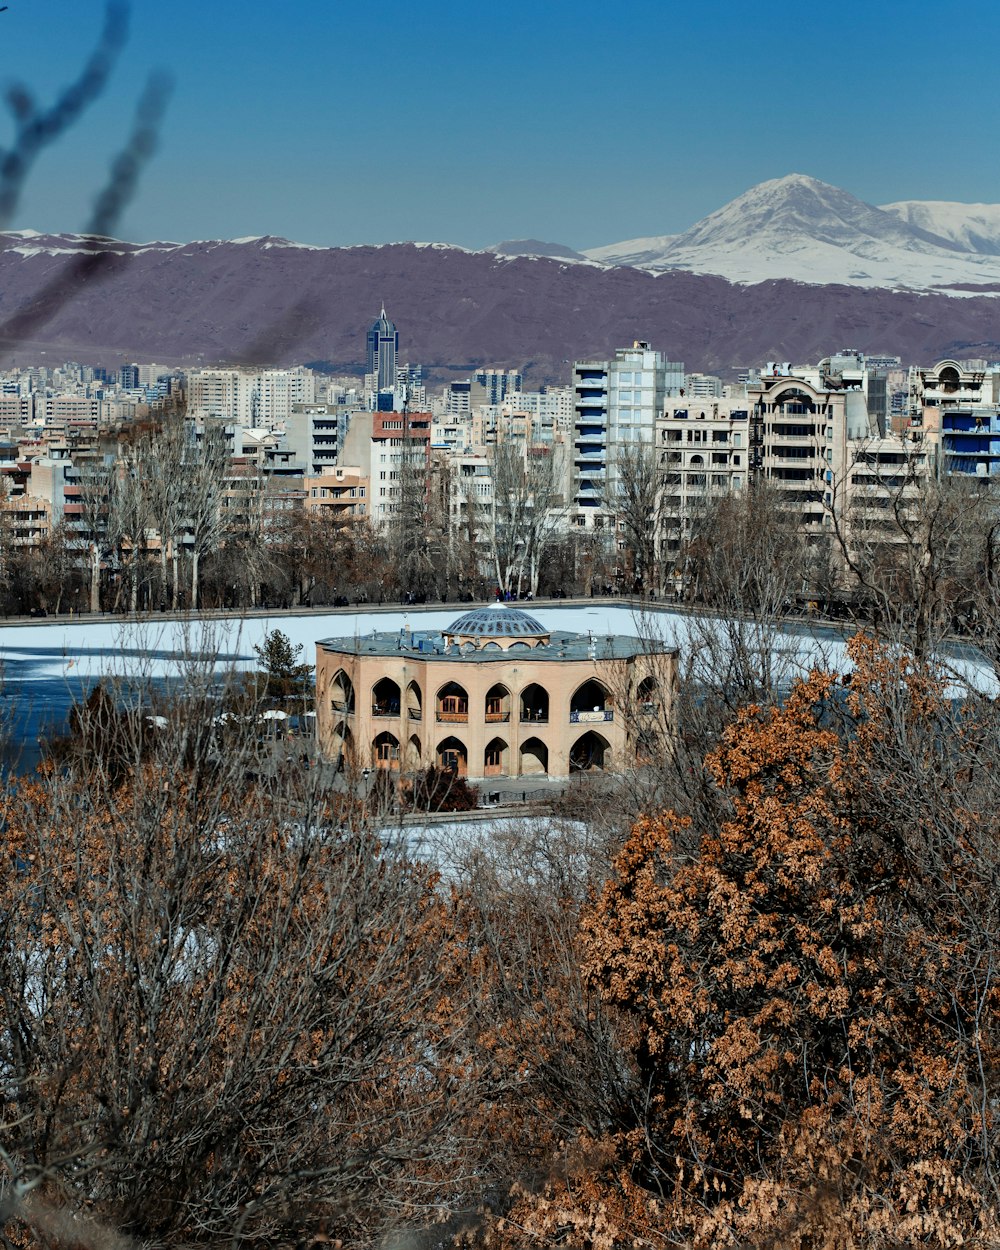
(791, 270)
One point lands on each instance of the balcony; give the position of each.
(497, 718)
(453, 718)
(385, 709)
(595, 717)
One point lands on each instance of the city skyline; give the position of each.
(571, 123)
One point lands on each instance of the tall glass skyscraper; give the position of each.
(383, 344)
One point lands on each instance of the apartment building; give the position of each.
(248, 397)
(616, 403)
(340, 494)
(387, 448)
(315, 433)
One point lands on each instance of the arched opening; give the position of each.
(948, 379)
(452, 757)
(534, 757)
(646, 696)
(342, 693)
(413, 753)
(342, 746)
(385, 698)
(590, 703)
(495, 758)
(648, 744)
(385, 751)
(534, 705)
(497, 704)
(452, 703)
(414, 702)
(589, 752)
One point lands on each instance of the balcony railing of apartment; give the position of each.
(587, 718)
(385, 709)
(493, 718)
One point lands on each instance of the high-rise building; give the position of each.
(383, 344)
(616, 404)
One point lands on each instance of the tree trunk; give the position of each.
(194, 579)
(95, 578)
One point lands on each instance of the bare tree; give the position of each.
(915, 544)
(524, 515)
(202, 472)
(634, 502)
(130, 500)
(233, 1024)
(98, 519)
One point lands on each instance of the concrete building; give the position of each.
(616, 404)
(495, 694)
(386, 446)
(493, 386)
(315, 433)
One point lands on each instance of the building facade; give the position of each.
(495, 694)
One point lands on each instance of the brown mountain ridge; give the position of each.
(269, 301)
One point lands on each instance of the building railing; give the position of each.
(453, 718)
(594, 717)
(493, 718)
(534, 718)
(385, 709)
(414, 713)
(341, 705)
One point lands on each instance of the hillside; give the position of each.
(266, 300)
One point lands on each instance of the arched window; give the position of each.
(452, 757)
(453, 703)
(497, 704)
(413, 753)
(590, 702)
(385, 751)
(385, 698)
(342, 693)
(534, 757)
(342, 746)
(590, 751)
(534, 705)
(495, 758)
(414, 702)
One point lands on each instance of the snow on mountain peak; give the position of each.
(801, 228)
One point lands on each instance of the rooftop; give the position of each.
(431, 645)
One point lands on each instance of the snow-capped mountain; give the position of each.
(639, 253)
(800, 228)
(973, 227)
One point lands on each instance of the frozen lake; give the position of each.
(48, 665)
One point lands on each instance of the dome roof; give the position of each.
(497, 621)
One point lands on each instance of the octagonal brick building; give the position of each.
(495, 694)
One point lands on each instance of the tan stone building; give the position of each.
(496, 694)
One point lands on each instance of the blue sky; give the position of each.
(582, 123)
